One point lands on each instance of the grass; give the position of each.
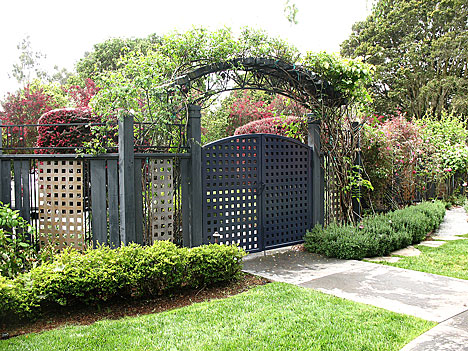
(450, 259)
(275, 316)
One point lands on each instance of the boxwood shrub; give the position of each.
(102, 274)
(376, 235)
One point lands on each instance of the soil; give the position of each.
(84, 315)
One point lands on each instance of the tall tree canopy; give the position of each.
(420, 50)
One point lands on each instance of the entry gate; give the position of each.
(257, 191)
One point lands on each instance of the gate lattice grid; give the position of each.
(256, 191)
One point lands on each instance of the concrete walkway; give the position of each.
(428, 296)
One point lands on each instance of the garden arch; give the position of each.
(259, 191)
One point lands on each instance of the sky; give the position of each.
(65, 30)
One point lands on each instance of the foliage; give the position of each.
(214, 125)
(17, 253)
(446, 139)
(350, 77)
(25, 106)
(378, 235)
(392, 153)
(212, 264)
(130, 271)
(246, 108)
(404, 156)
(106, 56)
(290, 12)
(63, 136)
(275, 316)
(420, 54)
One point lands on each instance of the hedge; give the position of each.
(377, 235)
(101, 274)
(55, 134)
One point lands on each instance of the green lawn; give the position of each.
(450, 259)
(275, 316)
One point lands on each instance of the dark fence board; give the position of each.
(113, 199)
(138, 203)
(26, 207)
(98, 201)
(17, 178)
(5, 181)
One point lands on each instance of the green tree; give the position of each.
(420, 51)
(30, 63)
(31, 66)
(106, 56)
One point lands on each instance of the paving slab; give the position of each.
(428, 296)
(450, 335)
(296, 267)
(409, 251)
(455, 223)
(432, 243)
(390, 259)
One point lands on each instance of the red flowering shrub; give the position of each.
(245, 109)
(59, 135)
(392, 152)
(26, 106)
(81, 96)
(285, 126)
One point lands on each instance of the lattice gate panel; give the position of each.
(161, 208)
(230, 176)
(60, 195)
(287, 185)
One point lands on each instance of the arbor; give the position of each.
(420, 51)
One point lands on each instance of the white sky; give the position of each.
(64, 30)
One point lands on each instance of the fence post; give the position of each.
(313, 139)
(195, 180)
(356, 202)
(126, 179)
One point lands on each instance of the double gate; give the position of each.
(257, 191)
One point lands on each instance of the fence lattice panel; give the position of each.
(161, 199)
(60, 203)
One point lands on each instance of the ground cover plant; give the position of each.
(450, 259)
(275, 316)
(376, 235)
(102, 274)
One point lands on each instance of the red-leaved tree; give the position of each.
(25, 106)
(245, 109)
(81, 96)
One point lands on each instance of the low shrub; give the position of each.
(17, 254)
(210, 264)
(101, 274)
(377, 235)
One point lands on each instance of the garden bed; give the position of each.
(85, 314)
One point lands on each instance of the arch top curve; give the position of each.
(276, 76)
(252, 139)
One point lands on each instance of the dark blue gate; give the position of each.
(257, 191)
